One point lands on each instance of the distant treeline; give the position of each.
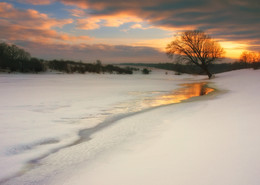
(68, 66)
(193, 69)
(15, 59)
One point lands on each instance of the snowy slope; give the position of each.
(212, 141)
(42, 113)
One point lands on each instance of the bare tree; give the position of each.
(250, 57)
(195, 47)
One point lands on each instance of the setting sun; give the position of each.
(234, 49)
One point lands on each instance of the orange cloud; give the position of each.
(41, 2)
(88, 24)
(77, 12)
(17, 32)
(137, 26)
(30, 18)
(80, 4)
(95, 22)
(32, 26)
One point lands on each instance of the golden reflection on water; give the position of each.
(188, 91)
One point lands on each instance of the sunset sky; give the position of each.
(125, 31)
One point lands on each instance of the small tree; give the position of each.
(195, 47)
(98, 66)
(250, 57)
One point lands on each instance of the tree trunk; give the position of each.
(205, 68)
(208, 73)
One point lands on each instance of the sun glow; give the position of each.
(234, 49)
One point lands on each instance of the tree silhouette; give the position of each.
(13, 58)
(250, 57)
(195, 47)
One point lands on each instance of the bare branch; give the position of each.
(197, 47)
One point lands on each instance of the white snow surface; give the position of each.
(213, 140)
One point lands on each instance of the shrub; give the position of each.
(145, 71)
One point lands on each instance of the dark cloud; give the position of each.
(90, 53)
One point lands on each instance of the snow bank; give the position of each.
(42, 113)
(212, 141)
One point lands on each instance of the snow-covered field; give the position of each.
(214, 140)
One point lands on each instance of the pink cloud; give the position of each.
(30, 18)
(116, 20)
(137, 26)
(88, 24)
(77, 12)
(32, 25)
(17, 32)
(81, 4)
(41, 2)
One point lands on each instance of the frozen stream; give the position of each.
(44, 114)
(147, 101)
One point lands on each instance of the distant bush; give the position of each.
(145, 71)
(256, 65)
(116, 69)
(177, 73)
(132, 68)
